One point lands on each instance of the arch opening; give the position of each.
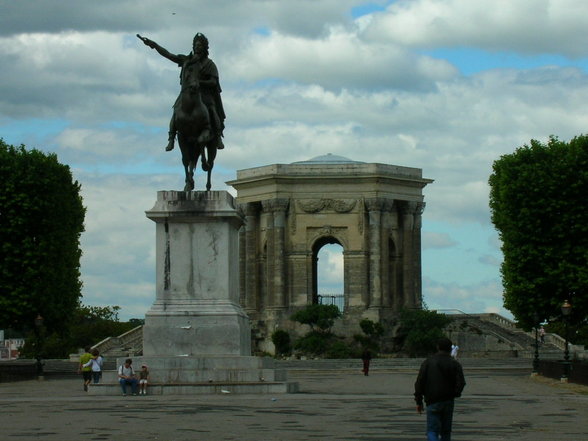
(328, 273)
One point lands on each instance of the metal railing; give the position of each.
(332, 299)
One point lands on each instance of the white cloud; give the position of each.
(485, 296)
(437, 240)
(338, 60)
(528, 26)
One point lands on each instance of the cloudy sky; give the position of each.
(444, 85)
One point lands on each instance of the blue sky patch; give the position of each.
(34, 133)
(369, 8)
(471, 61)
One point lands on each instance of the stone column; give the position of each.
(411, 224)
(252, 301)
(267, 206)
(279, 207)
(418, 223)
(196, 310)
(374, 207)
(388, 223)
(356, 278)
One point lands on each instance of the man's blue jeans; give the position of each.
(123, 385)
(439, 420)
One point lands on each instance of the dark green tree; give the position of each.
(419, 331)
(41, 219)
(319, 340)
(372, 333)
(281, 341)
(89, 325)
(320, 318)
(538, 204)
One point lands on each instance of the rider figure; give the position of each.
(210, 89)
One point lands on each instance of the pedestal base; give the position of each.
(202, 328)
(203, 375)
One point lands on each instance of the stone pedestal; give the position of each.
(196, 311)
(196, 337)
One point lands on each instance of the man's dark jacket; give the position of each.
(440, 379)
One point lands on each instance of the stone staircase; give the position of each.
(128, 344)
(488, 335)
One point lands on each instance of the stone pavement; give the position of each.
(332, 405)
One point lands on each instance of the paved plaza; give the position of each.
(498, 404)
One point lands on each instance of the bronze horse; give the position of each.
(194, 129)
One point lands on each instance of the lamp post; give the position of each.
(38, 325)
(536, 358)
(566, 309)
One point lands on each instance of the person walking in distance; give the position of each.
(439, 382)
(86, 371)
(95, 365)
(454, 349)
(366, 357)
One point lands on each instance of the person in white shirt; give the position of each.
(95, 364)
(126, 375)
(454, 349)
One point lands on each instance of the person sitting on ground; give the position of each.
(143, 380)
(126, 375)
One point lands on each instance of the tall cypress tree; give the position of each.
(538, 199)
(41, 220)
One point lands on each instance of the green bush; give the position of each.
(341, 349)
(370, 339)
(420, 329)
(320, 318)
(281, 341)
(313, 343)
(371, 328)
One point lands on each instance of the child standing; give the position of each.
(143, 380)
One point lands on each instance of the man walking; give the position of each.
(440, 381)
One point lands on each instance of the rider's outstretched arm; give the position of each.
(161, 50)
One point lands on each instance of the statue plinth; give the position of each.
(196, 310)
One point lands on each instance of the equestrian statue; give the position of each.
(198, 115)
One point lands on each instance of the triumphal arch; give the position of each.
(292, 210)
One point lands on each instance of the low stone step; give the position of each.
(110, 389)
(189, 375)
